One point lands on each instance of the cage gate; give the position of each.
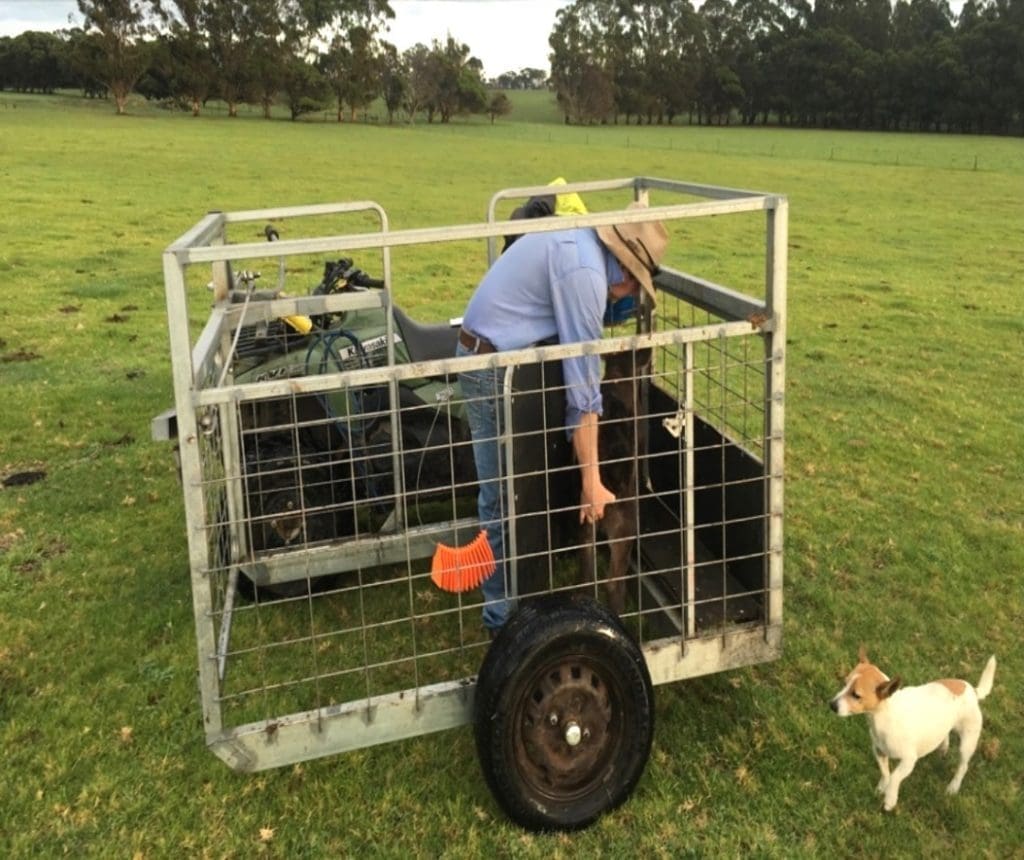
(324, 454)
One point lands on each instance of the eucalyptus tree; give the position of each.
(32, 61)
(989, 37)
(719, 90)
(524, 79)
(118, 56)
(394, 79)
(766, 24)
(637, 50)
(921, 65)
(83, 54)
(833, 69)
(582, 70)
(304, 87)
(420, 73)
(1012, 33)
(917, 22)
(231, 45)
(313, 23)
(353, 67)
(459, 80)
(443, 80)
(268, 64)
(190, 64)
(662, 37)
(499, 105)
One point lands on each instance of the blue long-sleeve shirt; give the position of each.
(550, 285)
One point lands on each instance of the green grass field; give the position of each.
(905, 462)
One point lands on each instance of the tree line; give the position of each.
(858, 64)
(311, 55)
(861, 64)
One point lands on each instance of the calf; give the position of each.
(620, 448)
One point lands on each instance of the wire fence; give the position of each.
(941, 151)
(884, 149)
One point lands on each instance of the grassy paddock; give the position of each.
(905, 519)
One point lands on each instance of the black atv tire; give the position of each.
(250, 592)
(563, 715)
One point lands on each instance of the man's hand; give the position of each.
(592, 504)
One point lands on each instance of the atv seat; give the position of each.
(426, 342)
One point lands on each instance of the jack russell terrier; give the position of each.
(910, 722)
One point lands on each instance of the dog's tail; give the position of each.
(985, 684)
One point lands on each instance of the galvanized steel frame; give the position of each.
(405, 713)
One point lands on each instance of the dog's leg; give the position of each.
(969, 734)
(944, 746)
(883, 766)
(892, 790)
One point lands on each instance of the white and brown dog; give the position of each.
(910, 722)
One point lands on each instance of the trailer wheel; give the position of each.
(564, 714)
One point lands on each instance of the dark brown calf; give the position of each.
(619, 451)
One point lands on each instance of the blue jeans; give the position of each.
(482, 390)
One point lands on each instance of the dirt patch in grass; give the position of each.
(54, 548)
(23, 479)
(20, 355)
(9, 539)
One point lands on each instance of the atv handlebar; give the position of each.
(342, 274)
(343, 271)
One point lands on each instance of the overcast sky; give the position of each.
(507, 35)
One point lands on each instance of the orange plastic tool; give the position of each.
(462, 568)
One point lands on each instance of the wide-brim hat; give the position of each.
(638, 246)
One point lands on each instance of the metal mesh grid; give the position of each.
(729, 374)
(304, 625)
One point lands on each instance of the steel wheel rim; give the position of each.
(565, 727)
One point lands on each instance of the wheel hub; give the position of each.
(565, 740)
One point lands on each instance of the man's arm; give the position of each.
(594, 495)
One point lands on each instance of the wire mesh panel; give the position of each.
(324, 466)
(682, 441)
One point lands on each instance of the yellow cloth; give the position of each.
(567, 204)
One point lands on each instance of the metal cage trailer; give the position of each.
(325, 463)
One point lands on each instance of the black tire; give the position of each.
(253, 593)
(564, 714)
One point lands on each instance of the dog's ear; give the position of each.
(862, 654)
(883, 691)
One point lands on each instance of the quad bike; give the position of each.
(319, 468)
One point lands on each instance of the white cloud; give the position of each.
(506, 35)
(17, 16)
